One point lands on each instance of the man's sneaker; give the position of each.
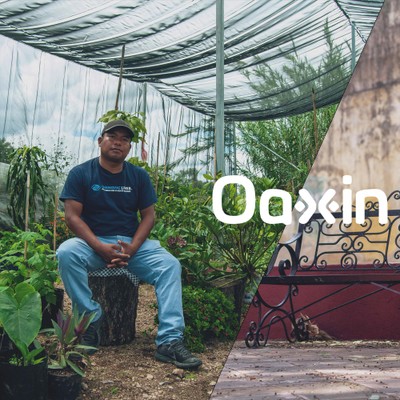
(176, 353)
(92, 336)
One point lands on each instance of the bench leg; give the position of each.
(259, 332)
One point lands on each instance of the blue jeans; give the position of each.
(152, 264)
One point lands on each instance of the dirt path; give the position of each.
(131, 372)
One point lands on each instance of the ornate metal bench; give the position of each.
(323, 254)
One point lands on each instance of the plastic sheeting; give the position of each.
(172, 45)
(49, 102)
(52, 103)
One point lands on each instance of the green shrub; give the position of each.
(38, 266)
(209, 314)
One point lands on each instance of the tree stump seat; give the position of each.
(117, 291)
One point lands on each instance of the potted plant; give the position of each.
(23, 370)
(67, 358)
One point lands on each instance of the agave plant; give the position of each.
(63, 345)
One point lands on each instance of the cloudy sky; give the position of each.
(45, 99)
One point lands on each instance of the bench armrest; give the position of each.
(284, 264)
(293, 239)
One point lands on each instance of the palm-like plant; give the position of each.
(25, 178)
(63, 345)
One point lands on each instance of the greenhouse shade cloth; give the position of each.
(276, 52)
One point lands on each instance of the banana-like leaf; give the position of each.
(21, 313)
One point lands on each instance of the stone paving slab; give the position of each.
(354, 370)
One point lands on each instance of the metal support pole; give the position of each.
(144, 102)
(234, 148)
(353, 47)
(144, 112)
(219, 106)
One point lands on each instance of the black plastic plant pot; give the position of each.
(50, 310)
(64, 387)
(6, 344)
(18, 383)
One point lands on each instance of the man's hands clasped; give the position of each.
(116, 255)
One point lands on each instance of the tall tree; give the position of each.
(201, 153)
(284, 149)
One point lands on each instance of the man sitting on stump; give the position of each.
(102, 198)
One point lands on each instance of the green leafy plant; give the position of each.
(202, 150)
(38, 268)
(62, 342)
(209, 314)
(135, 122)
(214, 254)
(26, 161)
(180, 227)
(244, 248)
(285, 148)
(21, 317)
(229, 257)
(301, 75)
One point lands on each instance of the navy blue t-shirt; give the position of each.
(110, 201)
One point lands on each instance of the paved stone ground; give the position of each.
(318, 370)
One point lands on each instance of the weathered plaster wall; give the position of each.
(364, 138)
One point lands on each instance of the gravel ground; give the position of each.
(131, 372)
